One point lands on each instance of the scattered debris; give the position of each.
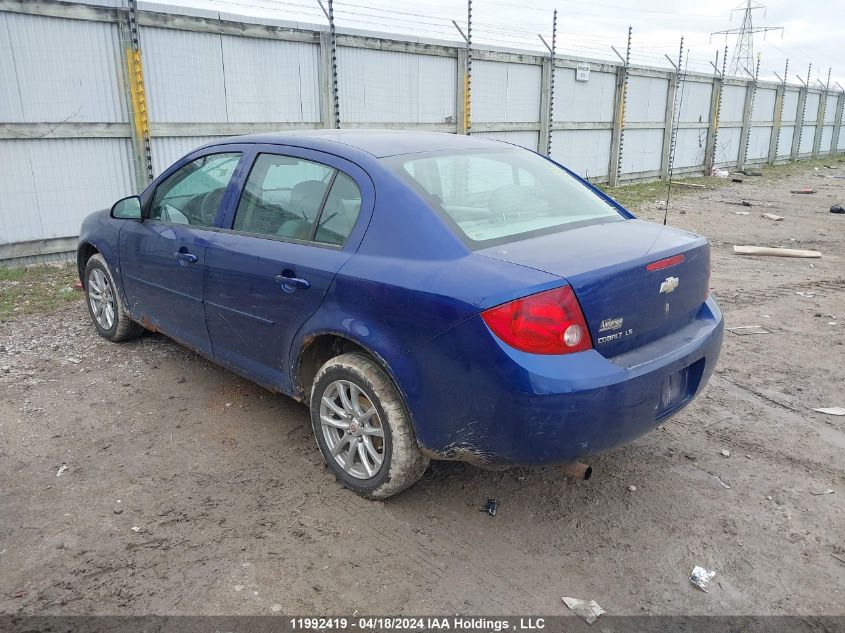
(804, 190)
(719, 173)
(118, 510)
(751, 172)
(701, 578)
(775, 252)
(632, 488)
(741, 212)
(772, 216)
(61, 470)
(736, 179)
(276, 608)
(826, 491)
(491, 507)
(77, 285)
(837, 208)
(21, 593)
(688, 184)
(589, 611)
(745, 330)
(74, 360)
(721, 482)
(831, 410)
(725, 452)
(136, 529)
(809, 295)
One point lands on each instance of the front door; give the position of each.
(163, 257)
(271, 270)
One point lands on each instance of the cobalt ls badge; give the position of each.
(669, 285)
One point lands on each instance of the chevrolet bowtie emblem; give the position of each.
(669, 285)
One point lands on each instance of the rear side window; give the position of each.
(342, 207)
(297, 199)
(497, 196)
(192, 195)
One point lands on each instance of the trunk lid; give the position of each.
(625, 304)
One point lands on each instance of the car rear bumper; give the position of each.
(476, 399)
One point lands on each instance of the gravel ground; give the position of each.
(139, 478)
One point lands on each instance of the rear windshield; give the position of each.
(498, 196)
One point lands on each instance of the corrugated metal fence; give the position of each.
(68, 141)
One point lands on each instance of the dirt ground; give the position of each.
(187, 490)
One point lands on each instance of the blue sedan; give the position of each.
(428, 296)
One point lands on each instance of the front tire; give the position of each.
(104, 304)
(363, 429)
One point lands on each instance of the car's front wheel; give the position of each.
(363, 428)
(104, 305)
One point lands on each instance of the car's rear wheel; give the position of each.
(363, 428)
(104, 304)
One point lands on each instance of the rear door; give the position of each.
(163, 257)
(297, 220)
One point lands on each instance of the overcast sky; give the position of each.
(813, 29)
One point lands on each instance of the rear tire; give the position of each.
(105, 304)
(363, 429)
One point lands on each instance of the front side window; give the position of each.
(501, 195)
(298, 199)
(192, 195)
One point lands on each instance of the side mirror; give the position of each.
(127, 209)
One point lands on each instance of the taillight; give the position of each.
(549, 322)
(660, 264)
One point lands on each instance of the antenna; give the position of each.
(743, 55)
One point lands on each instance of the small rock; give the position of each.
(276, 608)
(632, 488)
(74, 360)
(136, 529)
(725, 453)
(118, 510)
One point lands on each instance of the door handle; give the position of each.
(289, 283)
(186, 258)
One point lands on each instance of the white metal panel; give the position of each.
(694, 101)
(642, 151)
(183, 76)
(758, 142)
(790, 106)
(808, 137)
(689, 147)
(586, 152)
(505, 92)
(826, 139)
(733, 103)
(830, 108)
(389, 87)
(54, 70)
(841, 143)
(524, 138)
(583, 100)
(785, 140)
(646, 99)
(271, 80)
(811, 109)
(166, 150)
(727, 145)
(50, 185)
(763, 108)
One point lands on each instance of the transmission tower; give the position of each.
(743, 55)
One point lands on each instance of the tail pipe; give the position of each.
(577, 470)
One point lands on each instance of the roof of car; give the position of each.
(378, 143)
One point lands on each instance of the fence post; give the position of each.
(328, 113)
(747, 107)
(546, 105)
(137, 97)
(778, 119)
(837, 124)
(618, 125)
(799, 123)
(460, 111)
(817, 139)
(669, 125)
(713, 127)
